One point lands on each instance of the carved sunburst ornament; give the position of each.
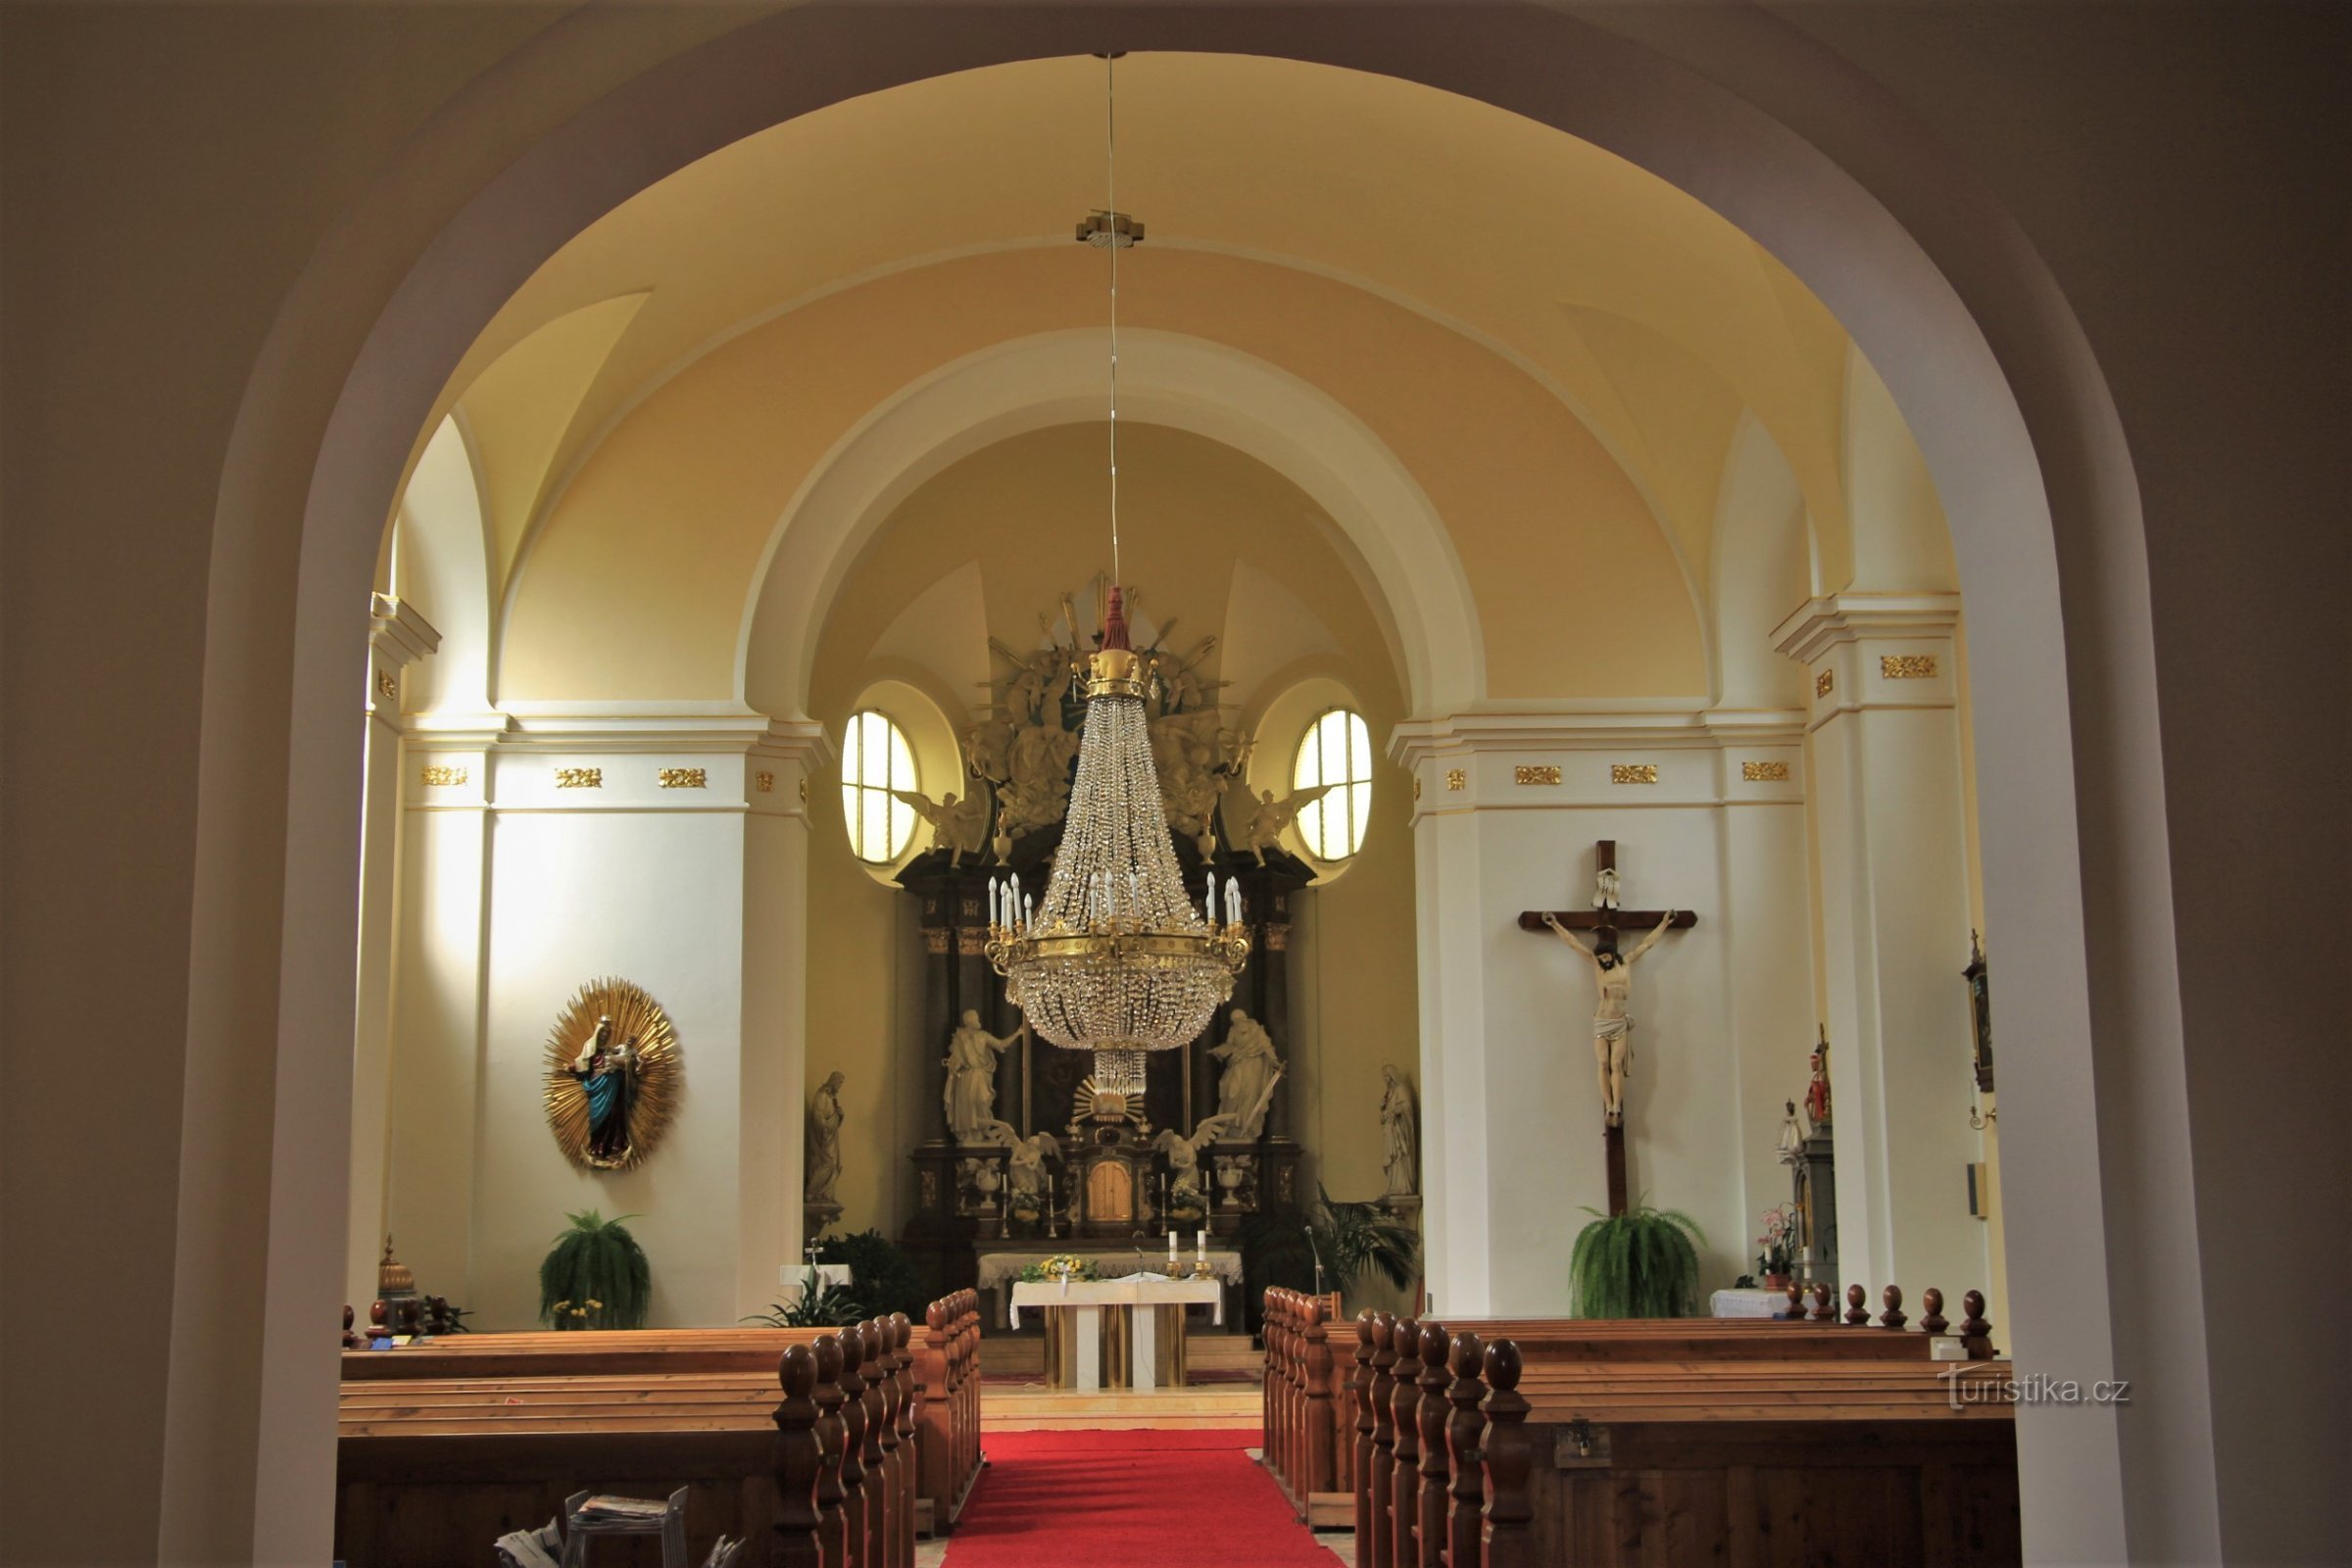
(609, 1109)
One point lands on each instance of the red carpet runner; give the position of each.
(1129, 1499)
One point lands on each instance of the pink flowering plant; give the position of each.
(1778, 1241)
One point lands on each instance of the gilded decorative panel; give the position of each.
(1764, 773)
(579, 778)
(443, 777)
(1632, 772)
(765, 781)
(1907, 666)
(684, 778)
(1549, 773)
(1456, 779)
(1825, 683)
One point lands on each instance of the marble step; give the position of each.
(1206, 1352)
(1175, 1409)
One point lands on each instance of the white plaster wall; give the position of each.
(1767, 954)
(1682, 1109)
(656, 897)
(371, 1013)
(434, 1099)
(1894, 920)
(771, 1122)
(441, 565)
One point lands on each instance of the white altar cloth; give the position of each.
(1139, 1289)
(1088, 1298)
(1002, 1268)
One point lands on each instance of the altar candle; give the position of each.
(1172, 1247)
(1200, 1245)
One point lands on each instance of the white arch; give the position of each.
(1391, 532)
(1915, 253)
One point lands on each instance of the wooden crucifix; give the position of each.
(1612, 973)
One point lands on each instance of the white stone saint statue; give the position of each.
(1246, 1088)
(1612, 1024)
(971, 1089)
(824, 1141)
(1398, 1133)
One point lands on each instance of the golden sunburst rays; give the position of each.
(654, 1083)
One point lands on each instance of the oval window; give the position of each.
(876, 760)
(1336, 751)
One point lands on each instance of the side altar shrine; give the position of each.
(1031, 1155)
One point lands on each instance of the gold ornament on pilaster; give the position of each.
(579, 778)
(1907, 666)
(1549, 773)
(1116, 959)
(1632, 772)
(440, 777)
(684, 778)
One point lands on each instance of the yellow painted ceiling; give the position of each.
(1590, 314)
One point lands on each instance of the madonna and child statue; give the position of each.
(612, 1076)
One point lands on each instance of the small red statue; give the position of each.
(1817, 1092)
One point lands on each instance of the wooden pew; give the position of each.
(1411, 1493)
(947, 1382)
(1870, 1465)
(444, 1448)
(1307, 1419)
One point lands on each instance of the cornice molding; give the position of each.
(1598, 727)
(1819, 624)
(398, 632)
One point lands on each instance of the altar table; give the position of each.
(1139, 1321)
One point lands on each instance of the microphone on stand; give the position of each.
(1318, 1251)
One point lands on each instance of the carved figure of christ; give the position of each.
(1612, 1025)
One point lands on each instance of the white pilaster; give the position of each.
(1508, 807)
(1890, 818)
(775, 1016)
(397, 637)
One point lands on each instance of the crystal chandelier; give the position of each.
(1116, 960)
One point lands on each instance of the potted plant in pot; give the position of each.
(1642, 1264)
(595, 1276)
(1776, 1259)
(1351, 1240)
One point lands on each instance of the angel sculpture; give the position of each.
(1268, 816)
(1184, 1153)
(1026, 1165)
(957, 825)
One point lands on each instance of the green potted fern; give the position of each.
(595, 1276)
(1642, 1264)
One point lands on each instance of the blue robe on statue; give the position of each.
(608, 1091)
